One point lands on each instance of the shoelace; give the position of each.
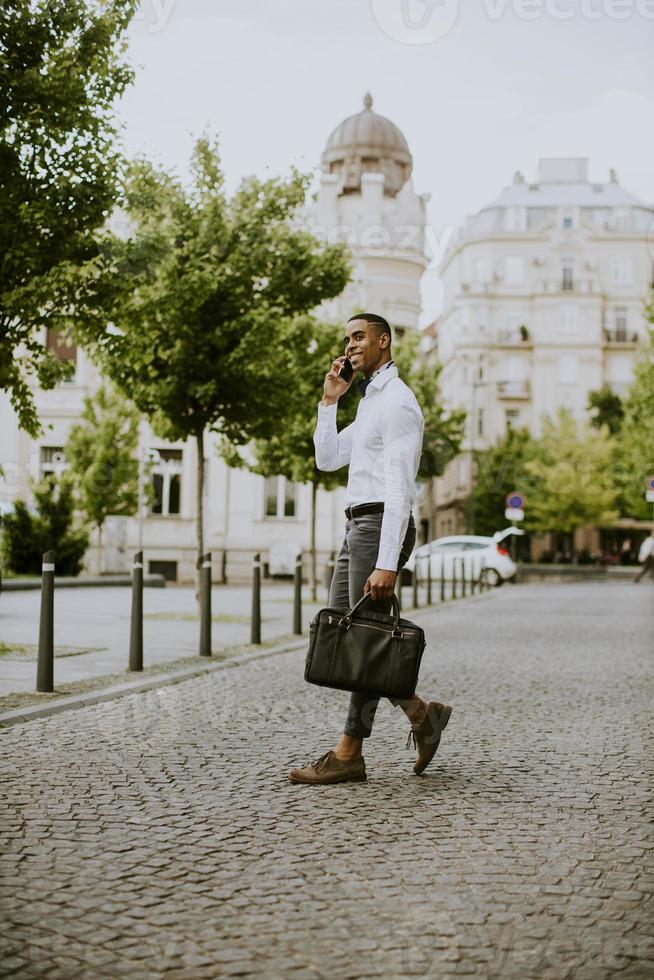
(321, 761)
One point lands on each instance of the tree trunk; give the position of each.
(199, 507)
(100, 551)
(314, 571)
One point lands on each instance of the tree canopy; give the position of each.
(62, 69)
(101, 456)
(194, 316)
(571, 479)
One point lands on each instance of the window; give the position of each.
(620, 322)
(480, 421)
(166, 478)
(568, 369)
(52, 460)
(621, 272)
(568, 220)
(567, 275)
(514, 270)
(166, 568)
(515, 219)
(568, 318)
(280, 497)
(480, 270)
(64, 349)
(512, 418)
(462, 471)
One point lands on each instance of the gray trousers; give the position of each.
(355, 563)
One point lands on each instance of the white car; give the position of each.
(478, 556)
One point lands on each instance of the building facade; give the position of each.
(366, 198)
(544, 296)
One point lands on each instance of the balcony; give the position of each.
(568, 285)
(513, 389)
(514, 338)
(621, 337)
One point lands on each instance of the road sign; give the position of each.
(514, 514)
(515, 501)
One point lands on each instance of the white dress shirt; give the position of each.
(382, 447)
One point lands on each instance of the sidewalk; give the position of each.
(92, 628)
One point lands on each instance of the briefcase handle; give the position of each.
(346, 621)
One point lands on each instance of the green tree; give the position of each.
(605, 408)
(635, 443)
(499, 471)
(571, 477)
(61, 72)
(101, 453)
(289, 451)
(27, 535)
(194, 315)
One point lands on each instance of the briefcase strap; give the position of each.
(346, 621)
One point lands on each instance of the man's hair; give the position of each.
(382, 325)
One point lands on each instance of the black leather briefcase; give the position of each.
(362, 650)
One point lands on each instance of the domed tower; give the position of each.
(368, 143)
(367, 200)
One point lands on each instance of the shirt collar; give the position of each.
(383, 375)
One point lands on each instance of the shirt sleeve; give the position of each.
(402, 431)
(333, 448)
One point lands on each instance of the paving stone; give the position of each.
(158, 837)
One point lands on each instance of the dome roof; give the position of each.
(368, 143)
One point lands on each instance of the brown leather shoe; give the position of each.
(427, 735)
(329, 769)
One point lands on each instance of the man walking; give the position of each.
(646, 556)
(382, 448)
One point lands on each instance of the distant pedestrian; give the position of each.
(382, 448)
(646, 556)
(625, 552)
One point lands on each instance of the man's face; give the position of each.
(365, 346)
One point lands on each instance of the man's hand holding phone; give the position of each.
(337, 380)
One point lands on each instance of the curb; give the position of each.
(19, 716)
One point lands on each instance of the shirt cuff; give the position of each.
(326, 411)
(388, 559)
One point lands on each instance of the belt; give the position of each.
(360, 509)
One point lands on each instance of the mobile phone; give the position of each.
(347, 371)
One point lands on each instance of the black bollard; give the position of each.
(205, 605)
(454, 582)
(45, 663)
(255, 627)
(473, 578)
(223, 567)
(297, 596)
(415, 584)
(442, 578)
(136, 631)
(429, 596)
(464, 582)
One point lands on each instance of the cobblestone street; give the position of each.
(158, 836)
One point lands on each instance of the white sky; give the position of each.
(272, 78)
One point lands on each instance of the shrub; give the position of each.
(27, 536)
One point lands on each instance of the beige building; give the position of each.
(544, 294)
(366, 198)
